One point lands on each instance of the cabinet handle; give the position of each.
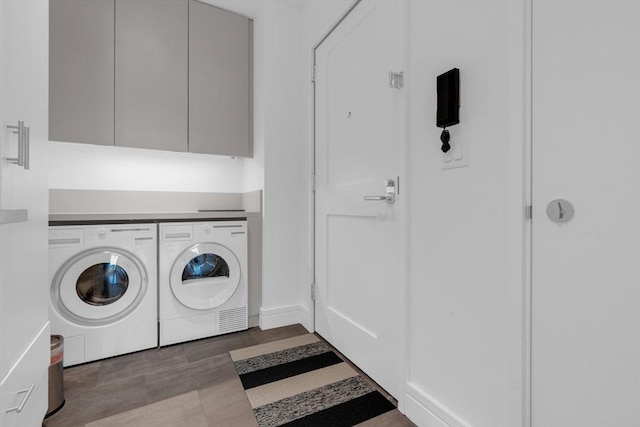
(26, 397)
(25, 149)
(177, 235)
(23, 145)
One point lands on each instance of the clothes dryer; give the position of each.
(103, 289)
(202, 279)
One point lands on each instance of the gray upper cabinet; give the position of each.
(163, 74)
(151, 74)
(219, 81)
(81, 63)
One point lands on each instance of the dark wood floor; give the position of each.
(192, 384)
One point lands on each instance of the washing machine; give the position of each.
(104, 297)
(202, 284)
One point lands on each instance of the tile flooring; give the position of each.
(192, 384)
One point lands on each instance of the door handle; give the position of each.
(390, 197)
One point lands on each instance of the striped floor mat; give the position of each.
(300, 381)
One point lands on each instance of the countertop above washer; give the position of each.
(124, 218)
(88, 207)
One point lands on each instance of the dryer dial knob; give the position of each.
(102, 233)
(207, 229)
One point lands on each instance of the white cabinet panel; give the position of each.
(24, 334)
(24, 390)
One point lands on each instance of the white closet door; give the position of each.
(586, 271)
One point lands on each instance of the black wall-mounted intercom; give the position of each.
(448, 88)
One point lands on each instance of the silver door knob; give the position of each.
(390, 197)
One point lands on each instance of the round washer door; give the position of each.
(99, 286)
(205, 276)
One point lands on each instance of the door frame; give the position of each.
(519, 223)
(402, 189)
(312, 159)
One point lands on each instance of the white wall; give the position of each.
(458, 242)
(286, 174)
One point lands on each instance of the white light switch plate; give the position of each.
(458, 155)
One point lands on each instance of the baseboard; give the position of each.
(254, 320)
(283, 316)
(308, 322)
(425, 411)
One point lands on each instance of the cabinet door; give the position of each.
(23, 391)
(23, 189)
(81, 65)
(219, 81)
(24, 290)
(151, 74)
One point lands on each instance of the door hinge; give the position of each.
(313, 292)
(528, 212)
(313, 74)
(313, 183)
(396, 80)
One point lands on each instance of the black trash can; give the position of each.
(56, 375)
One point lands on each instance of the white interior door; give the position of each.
(359, 145)
(586, 271)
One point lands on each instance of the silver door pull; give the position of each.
(18, 408)
(23, 145)
(390, 197)
(25, 149)
(560, 210)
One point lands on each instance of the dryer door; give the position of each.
(99, 286)
(205, 276)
